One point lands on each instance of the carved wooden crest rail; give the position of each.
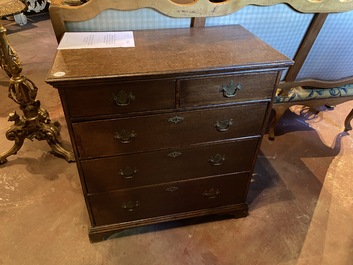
(61, 11)
(207, 8)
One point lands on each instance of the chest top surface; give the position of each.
(167, 52)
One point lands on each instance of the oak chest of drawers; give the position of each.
(169, 129)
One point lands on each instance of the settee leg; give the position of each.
(347, 122)
(277, 115)
(272, 126)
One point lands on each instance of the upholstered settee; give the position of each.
(323, 70)
(301, 94)
(315, 34)
(310, 96)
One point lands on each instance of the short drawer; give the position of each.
(227, 89)
(141, 203)
(151, 168)
(125, 97)
(178, 129)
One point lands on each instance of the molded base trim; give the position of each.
(100, 233)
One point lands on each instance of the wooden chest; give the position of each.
(169, 129)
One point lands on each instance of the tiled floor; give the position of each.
(301, 198)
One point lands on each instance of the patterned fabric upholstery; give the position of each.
(309, 93)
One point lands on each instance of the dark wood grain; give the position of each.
(167, 52)
(187, 163)
(168, 198)
(99, 98)
(208, 90)
(154, 132)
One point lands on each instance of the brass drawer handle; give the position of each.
(125, 136)
(230, 90)
(211, 193)
(128, 172)
(224, 125)
(176, 119)
(130, 206)
(123, 98)
(217, 159)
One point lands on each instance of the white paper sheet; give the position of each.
(86, 40)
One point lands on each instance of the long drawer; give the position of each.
(150, 168)
(140, 203)
(121, 98)
(226, 89)
(172, 130)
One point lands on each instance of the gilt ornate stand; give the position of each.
(35, 122)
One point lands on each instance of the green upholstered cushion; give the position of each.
(309, 93)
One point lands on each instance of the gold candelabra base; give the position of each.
(35, 122)
(38, 127)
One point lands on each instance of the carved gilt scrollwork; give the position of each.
(35, 122)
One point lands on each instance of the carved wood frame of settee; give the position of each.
(199, 10)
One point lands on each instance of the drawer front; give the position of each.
(226, 89)
(152, 132)
(136, 170)
(141, 203)
(126, 97)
